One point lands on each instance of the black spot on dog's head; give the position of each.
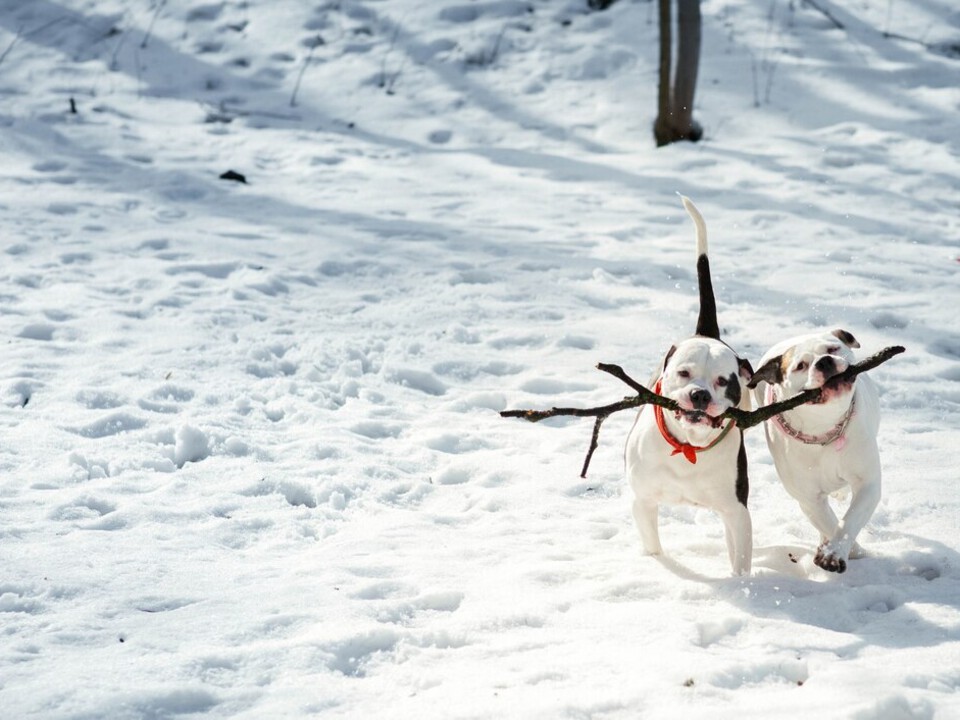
(666, 360)
(770, 372)
(846, 338)
(732, 390)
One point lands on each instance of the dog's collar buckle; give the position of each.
(688, 451)
(835, 436)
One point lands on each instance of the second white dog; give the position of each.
(824, 447)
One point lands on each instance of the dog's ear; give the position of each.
(746, 369)
(846, 338)
(666, 360)
(771, 372)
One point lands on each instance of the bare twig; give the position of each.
(600, 413)
(156, 14)
(743, 418)
(314, 44)
(21, 35)
(16, 39)
(385, 82)
(904, 38)
(826, 13)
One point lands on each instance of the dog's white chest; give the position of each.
(658, 474)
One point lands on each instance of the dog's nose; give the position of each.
(700, 399)
(826, 365)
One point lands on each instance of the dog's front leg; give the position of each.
(833, 554)
(738, 530)
(820, 514)
(645, 514)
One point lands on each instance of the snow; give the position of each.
(252, 465)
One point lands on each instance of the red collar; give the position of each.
(679, 448)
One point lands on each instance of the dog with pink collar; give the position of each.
(828, 446)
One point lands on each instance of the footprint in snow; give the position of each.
(466, 371)
(924, 567)
(38, 331)
(270, 361)
(160, 605)
(167, 398)
(517, 341)
(352, 656)
(384, 590)
(407, 612)
(76, 258)
(548, 386)
(874, 599)
(168, 703)
(85, 468)
(19, 599)
(788, 669)
(295, 494)
(50, 166)
(454, 476)
(99, 399)
(19, 394)
(62, 208)
(425, 382)
(455, 444)
(112, 424)
(375, 430)
(83, 508)
(710, 633)
(214, 271)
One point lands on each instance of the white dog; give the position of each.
(690, 456)
(823, 447)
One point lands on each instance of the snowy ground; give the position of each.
(251, 462)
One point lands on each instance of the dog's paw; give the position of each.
(829, 560)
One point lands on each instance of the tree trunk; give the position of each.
(688, 62)
(599, 4)
(675, 100)
(663, 127)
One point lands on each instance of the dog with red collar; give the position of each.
(828, 446)
(691, 456)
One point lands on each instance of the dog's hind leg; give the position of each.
(645, 514)
(739, 535)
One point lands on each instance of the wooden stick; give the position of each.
(748, 418)
(744, 418)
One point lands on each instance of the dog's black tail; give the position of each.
(707, 325)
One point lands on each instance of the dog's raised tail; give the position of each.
(707, 325)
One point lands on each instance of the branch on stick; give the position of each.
(743, 418)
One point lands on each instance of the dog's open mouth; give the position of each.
(836, 386)
(697, 417)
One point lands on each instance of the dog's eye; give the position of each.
(722, 381)
(801, 366)
(685, 374)
(833, 350)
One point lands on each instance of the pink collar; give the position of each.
(835, 435)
